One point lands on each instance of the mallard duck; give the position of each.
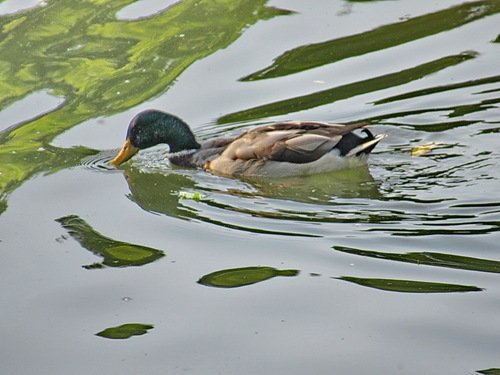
(277, 150)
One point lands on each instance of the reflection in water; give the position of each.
(249, 200)
(438, 89)
(321, 188)
(452, 190)
(121, 63)
(125, 331)
(99, 161)
(470, 227)
(347, 91)
(159, 193)
(490, 371)
(430, 259)
(236, 277)
(410, 286)
(114, 253)
(453, 111)
(416, 191)
(314, 55)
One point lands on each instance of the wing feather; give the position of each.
(294, 142)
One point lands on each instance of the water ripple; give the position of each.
(99, 161)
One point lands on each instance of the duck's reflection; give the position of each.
(257, 205)
(159, 191)
(321, 188)
(114, 253)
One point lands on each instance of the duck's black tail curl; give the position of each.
(353, 144)
(369, 137)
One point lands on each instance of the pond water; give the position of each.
(150, 268)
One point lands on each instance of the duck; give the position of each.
(283, 149)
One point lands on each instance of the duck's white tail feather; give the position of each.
(360, 148)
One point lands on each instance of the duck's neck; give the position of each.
(169, 129)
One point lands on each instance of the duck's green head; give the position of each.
(152, 127)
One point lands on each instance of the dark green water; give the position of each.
(389, 269)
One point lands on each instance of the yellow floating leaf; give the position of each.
(424, 148)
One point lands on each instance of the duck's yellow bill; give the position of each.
(128, 150)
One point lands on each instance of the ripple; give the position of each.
(99, 161)
(287, 207)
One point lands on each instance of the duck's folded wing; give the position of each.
(297, 142)
(303, 148)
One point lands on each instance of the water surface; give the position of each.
(385, 269)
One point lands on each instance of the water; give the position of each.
(387, 269)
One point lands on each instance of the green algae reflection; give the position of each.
(237, 277)
(125, 331)
(99, 66)
(490, 371)
(429, 258)
(314, 55)
(410, 286)
(114, 253)
(349, 90)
